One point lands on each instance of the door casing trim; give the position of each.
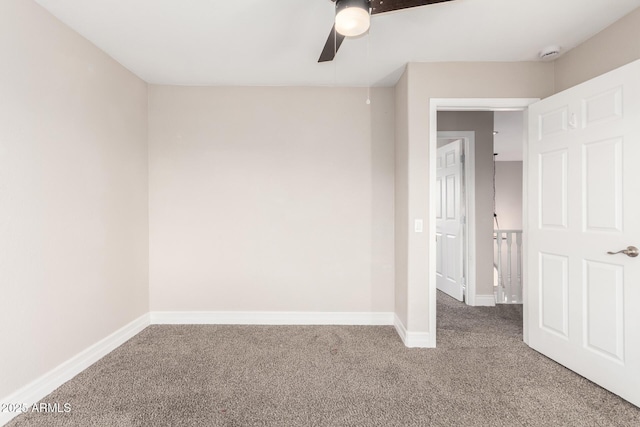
(471, 104)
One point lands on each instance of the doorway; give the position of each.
(487, 105)
(489, 174)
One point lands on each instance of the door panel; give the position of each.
(452, 181)
(553, 189)
(554, 289)
(439, 199)
(603, 106)
(604, 306)
(602, 185)
(584, 304)
(553, 122)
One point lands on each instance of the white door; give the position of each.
(448, 227)
(583, 201)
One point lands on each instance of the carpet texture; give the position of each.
(481, 374)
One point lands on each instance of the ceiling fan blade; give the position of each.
(335, 39)
(382, 6)
(331, 46)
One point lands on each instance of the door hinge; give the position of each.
(461, 158)
(463, 220)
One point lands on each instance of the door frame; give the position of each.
(472, 104)
(469, 227)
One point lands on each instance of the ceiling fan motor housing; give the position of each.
(342, 4)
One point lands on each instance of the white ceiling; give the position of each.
(278, 42)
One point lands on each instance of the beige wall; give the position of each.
(73, 194)
(509, 195)
(480, 122)
(611, 48)
(271, 199)
(446, 80)
(401, 188)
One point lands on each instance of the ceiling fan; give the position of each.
(352, 19)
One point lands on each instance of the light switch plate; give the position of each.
(418, 226)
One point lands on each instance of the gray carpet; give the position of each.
(481, 374)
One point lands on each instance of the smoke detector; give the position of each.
(549, 53)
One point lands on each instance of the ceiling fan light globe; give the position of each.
(352, 21)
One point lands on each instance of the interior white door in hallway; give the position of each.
(583, 203)
(449, 276)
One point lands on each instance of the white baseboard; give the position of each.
(269, 318)
(484, 301)
(413, 339)
(41, 387)
(400, 329)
